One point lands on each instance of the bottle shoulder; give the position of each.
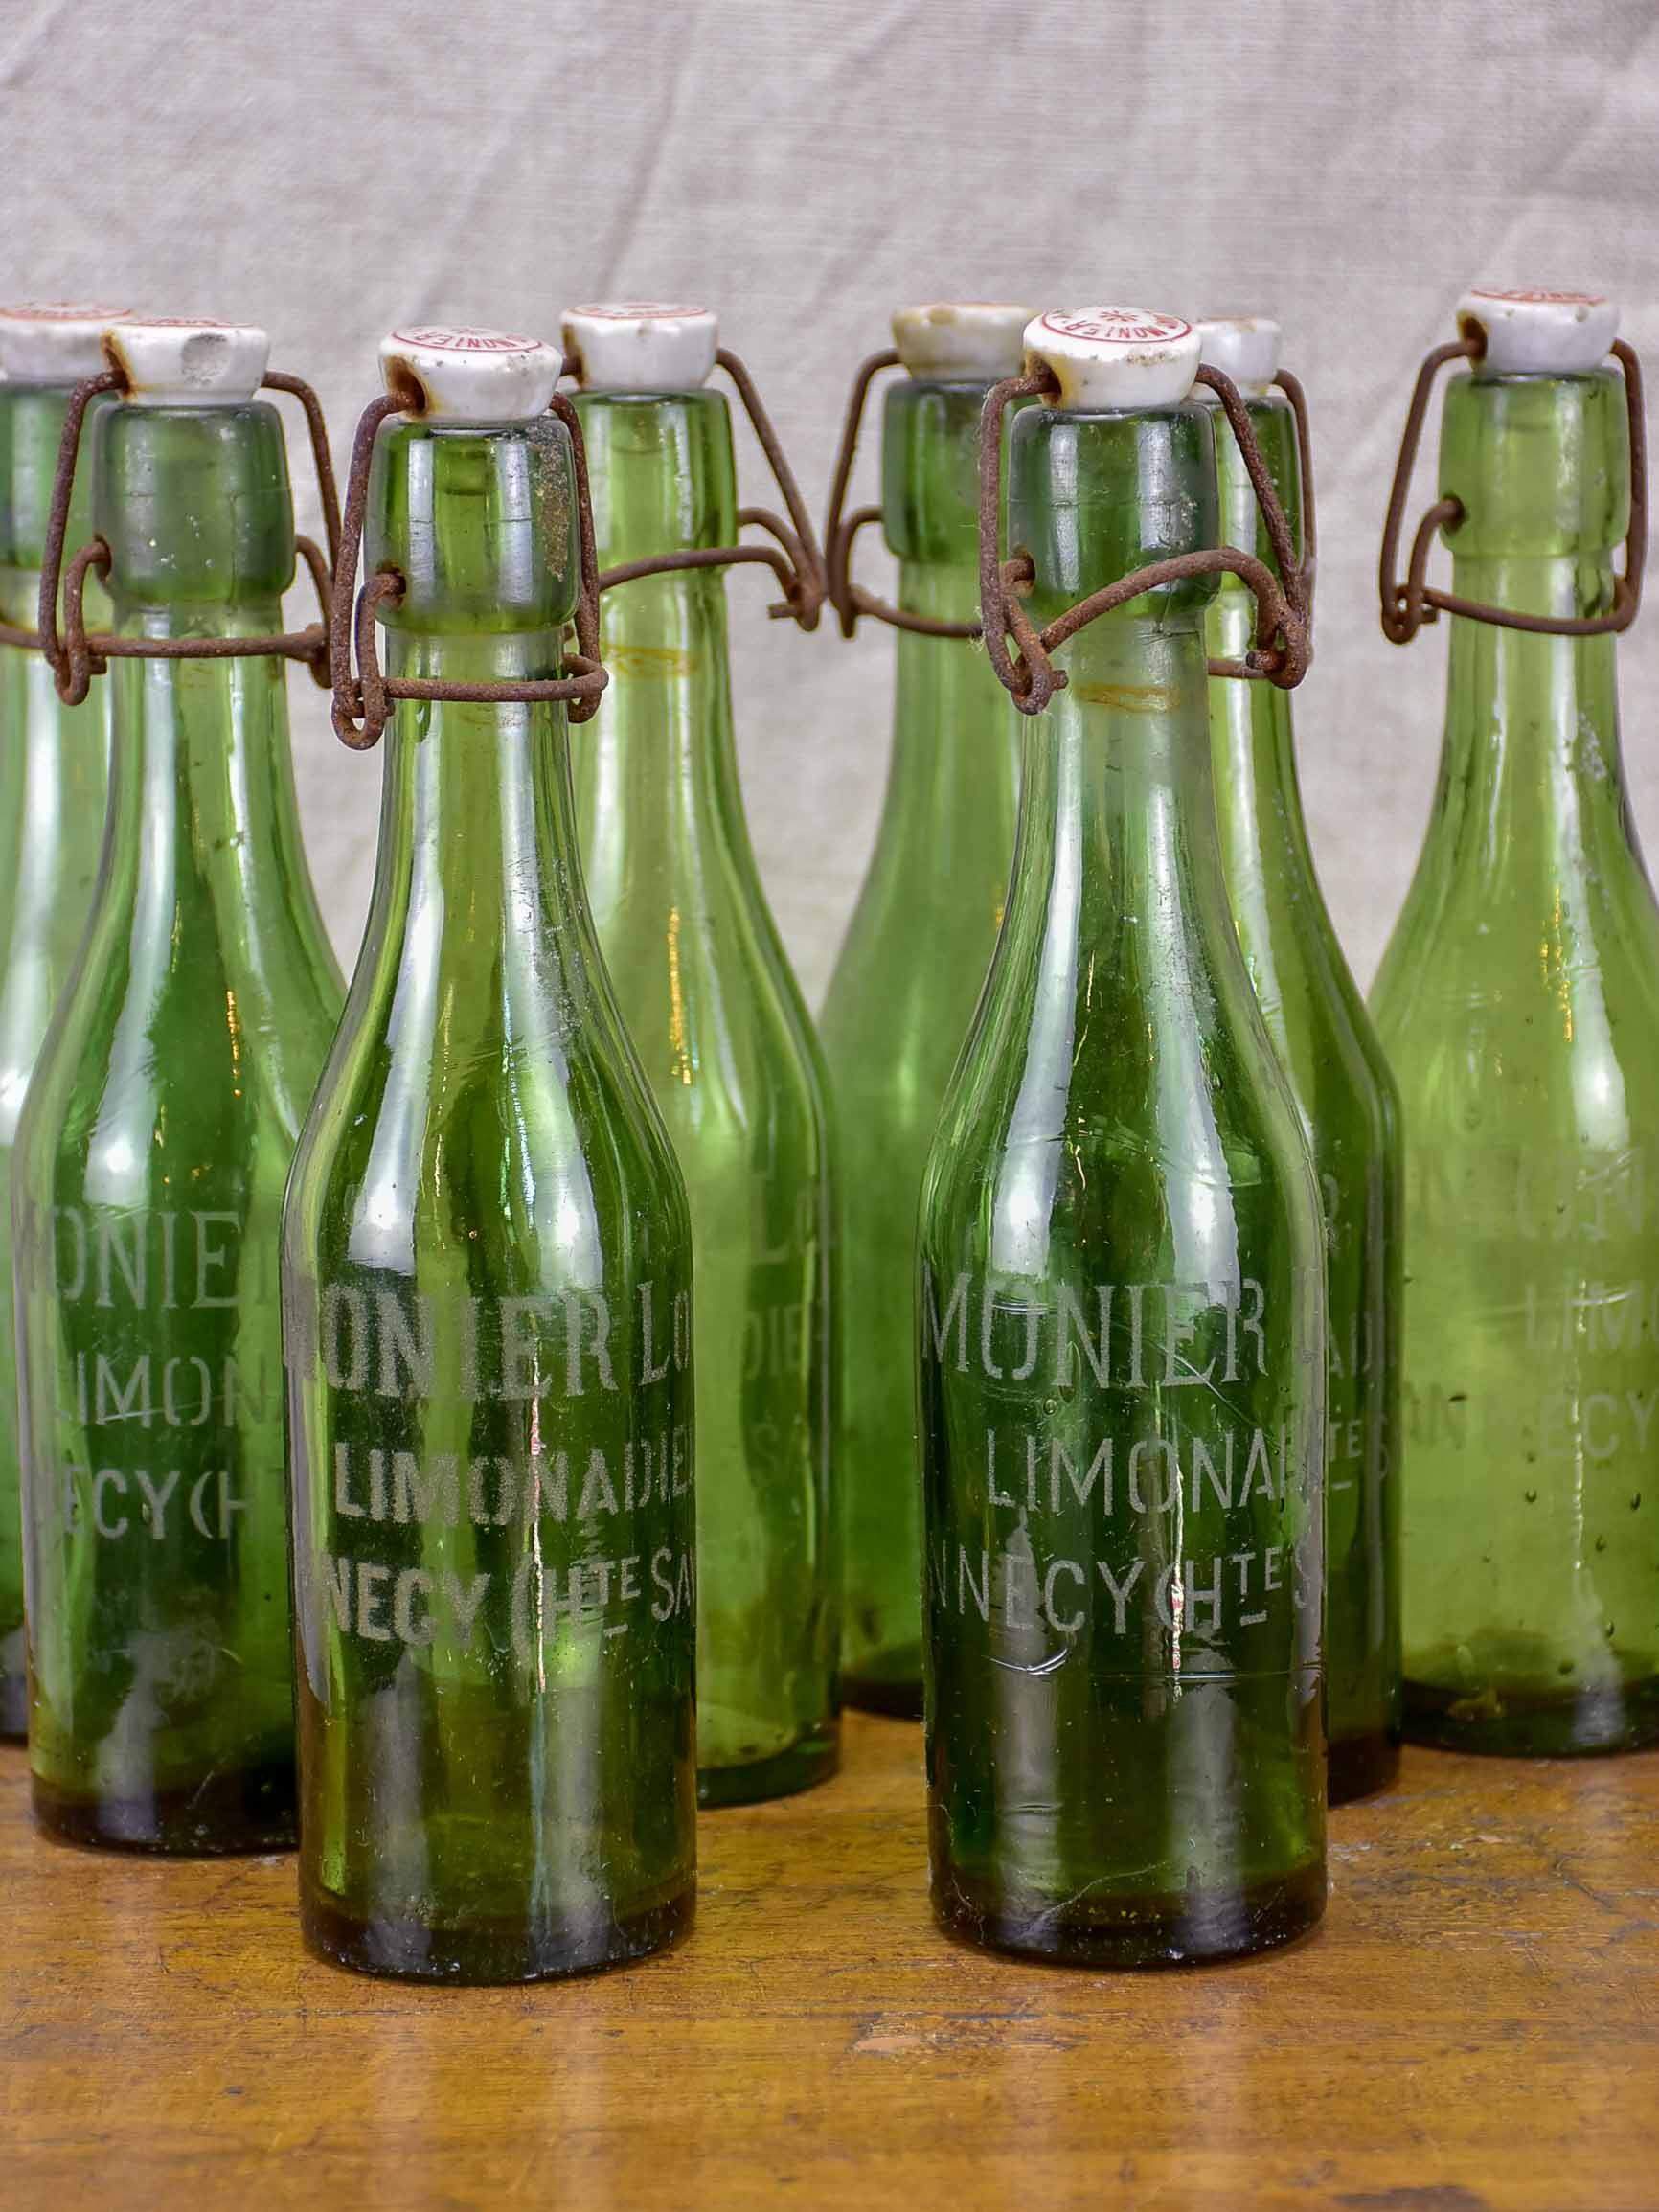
(710, 999)
(178, 1055)
(1189, 1144)
(1571, 973)
(425, 1123)
(1333, 1058)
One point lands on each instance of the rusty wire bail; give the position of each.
(370, 693)
(76, 655)
(1408, 606)
(841, 530)
(794, 557)
(1282, 647)
(1299, 582)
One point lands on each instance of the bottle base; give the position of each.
(1145, 1931)
(808, 1761)
(229, 1814)
(1361, 1766)
(1530, 1725)
(891, 1683)
(486, 1952)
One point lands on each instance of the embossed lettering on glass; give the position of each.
(714, 1015)
(916, 955)
(1343, 1091)
(1120, 1292)
(486, 1284)
(53, 768)
(1518, 1002)
(153, 1149)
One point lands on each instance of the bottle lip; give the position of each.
(54, 341)
(644, 347)
(1532, 333)
(466, 374)
(978, 340)
(1113, 361)
(187, 360)
(1247, 347)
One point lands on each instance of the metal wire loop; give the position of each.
(363, 699)
(841, 529)
(1282, 651)
(77, 656)
(794, 557)
(1298, 579)
(1407, 606)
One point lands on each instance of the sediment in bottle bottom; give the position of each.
(809, 1760)
(886, 1682)
(1496, 1723)
(1361, 1766)
(232, 1810)
(1190, 1929)
(508, 1949)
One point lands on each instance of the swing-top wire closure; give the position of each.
(1283, 646)
(841, 530)
(794, 557)
(1406, 607)
(78, 654)
(368, 694)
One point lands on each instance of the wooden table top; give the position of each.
(1475, 2028)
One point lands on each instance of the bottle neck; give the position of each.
(30, 429)
(1117, 871)
(952, 772)
(477, 874)
(1118, 850)
(1268, 860)
(1530, 779)
(658, 768)
(195, 508)
(1531, 763)
(661, 803)
(477, 886)
(202, 812)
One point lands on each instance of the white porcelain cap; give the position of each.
(467, 374)
(54, 341)
(1549, 334)
(637, 345)
(1242, 347)
(1114, 359)
(978, 338)
(186, 361)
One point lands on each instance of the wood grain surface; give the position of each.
(1475, 2026)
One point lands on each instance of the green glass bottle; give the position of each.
(1518, 1001)
(487, 1289)
(716, 1016)
(53, 768)
(1342, 1087)
(1121, 1308)
(915, 957)
(152, 1152)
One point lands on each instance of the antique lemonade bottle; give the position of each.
(915, 954)
(1342, 1087)
(1121, 1288)
(714, 1015)
(52, 795)
(486, 1288)
(154, 1144)
(1518, 1002)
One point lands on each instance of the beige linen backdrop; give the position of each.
(332, 169)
